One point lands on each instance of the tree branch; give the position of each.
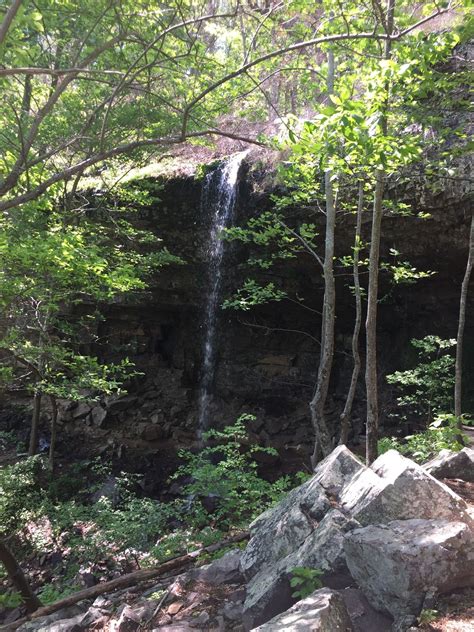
(80, 167)
(8, 19)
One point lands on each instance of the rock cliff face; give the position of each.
(266, 360)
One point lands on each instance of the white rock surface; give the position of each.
(396, 488)
(323, 611)
(399, 564)
(280, 531)
(269, 592)
(337, 470)
(449, 464)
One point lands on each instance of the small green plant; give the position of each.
(389, 443)
(10, 600)
(157, 595)
(428, 616)
(51, 593)
(305, 580)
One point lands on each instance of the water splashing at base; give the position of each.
(219, 195)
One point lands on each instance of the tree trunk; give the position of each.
(35, 419)
(461, 324)
(322, 439)
(54, 424)
(18, 579)
(372, 294)
(346, 413)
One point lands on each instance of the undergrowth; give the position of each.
(442, 434)
(221, 493)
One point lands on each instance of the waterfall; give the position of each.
(218, 197)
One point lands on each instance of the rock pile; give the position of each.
(393, 529)
(389, 539)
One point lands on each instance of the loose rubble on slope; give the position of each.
(389, 538)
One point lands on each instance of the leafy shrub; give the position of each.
(305, 580)
(45, 513)
(10, 600)
(427, 389)
(8, 441)
(442, 434)
(21, 492)
(225, 475)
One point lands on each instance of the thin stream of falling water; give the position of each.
(219, 192)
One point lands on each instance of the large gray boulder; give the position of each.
(281, 530)
(309, 526)
(323, 611)
(399, 564)
(395, 488)
(304, 529)
(269, 591)
(337, 470)
(449, 464)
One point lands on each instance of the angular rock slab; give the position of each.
(65, 617)
(449, 464)
(396, 488)
(336, 471)
(399, 564)
(225, 570)
(323, 611)
(269, 591)
(282, 529)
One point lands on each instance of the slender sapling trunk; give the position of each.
(372, 293)
(54, 425)
(346, 413)
(461, 325)
(17, 577)
(322, 443)
(35, 419)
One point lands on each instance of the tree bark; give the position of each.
(18, 579)
(35, 419)
(322, 439)
(372, 294)
(131, 579)
(346, 413)
(54, 427)
(461, 325)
